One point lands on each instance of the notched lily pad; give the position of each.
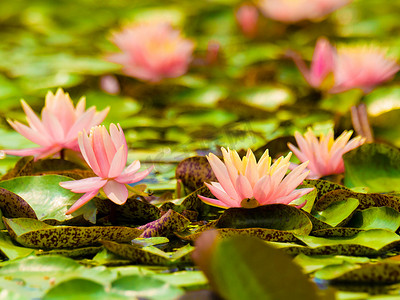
(170, 222)
(194, 171)
(149, 255)
(36, 234)
(13, 206)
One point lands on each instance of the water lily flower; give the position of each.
(351, 67)
(247, 18)
(59, 127)
(362, 67)
(106, 154)
(246, 183)
(152, 51)
(324, 155)
(291, 11)
(322, 64)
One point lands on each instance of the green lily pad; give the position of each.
(194, 171)
(72, 253)
(264, 280)
(375, 166)
(337, 231)
(149, 255)
(338, 213)
(369, 242)
(376, 218)
(146, 287)
(169, 223)
(36, 234)
(10, 250)
(273, 216)
(44, 194)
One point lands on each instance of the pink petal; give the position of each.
(81, 123)
(116, 192)
(31, 134)
(33, 120)
(100, 116)
(84, 185)
(132, 178)
(53, 125)
(322, 63)
(132, 168)
(262, 189)
(243, 187)
(222, 175)
(221, 195)
(213, 202)
(118, 163)
(82, 201)
(87, 152)
(99, 149)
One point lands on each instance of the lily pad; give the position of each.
(10, 250)
(369, 242)
(273, 216)
(323, 186)
(383, 272)
(149, 255)
(266, 271)
(13, 206)
(194, 171)
(170, 222)
(376, 218)
(36, 234)
(338, 213)
(44, 194)
(375, 166)
(146, 287)
(365, 200)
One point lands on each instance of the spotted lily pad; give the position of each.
(365, 200)
(10, 250)
(134, 210)
(383, 272)
(13, 206)
(323, 186)
(149, 255)
(170, 222)
(375, 166)
(194, 171)
(369, 242)
(36, 234)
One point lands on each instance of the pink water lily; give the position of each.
(246, 183)
(152, 51)
(291, 11)
(106, 154)
(247, 18)
(362, 67)
(351, 67)
(59, 127)
(324, 155)
(322, 63)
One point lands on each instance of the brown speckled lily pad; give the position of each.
(194, 171)
(149, 255)
(36, 234)
(169, 223)
(13, 206)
